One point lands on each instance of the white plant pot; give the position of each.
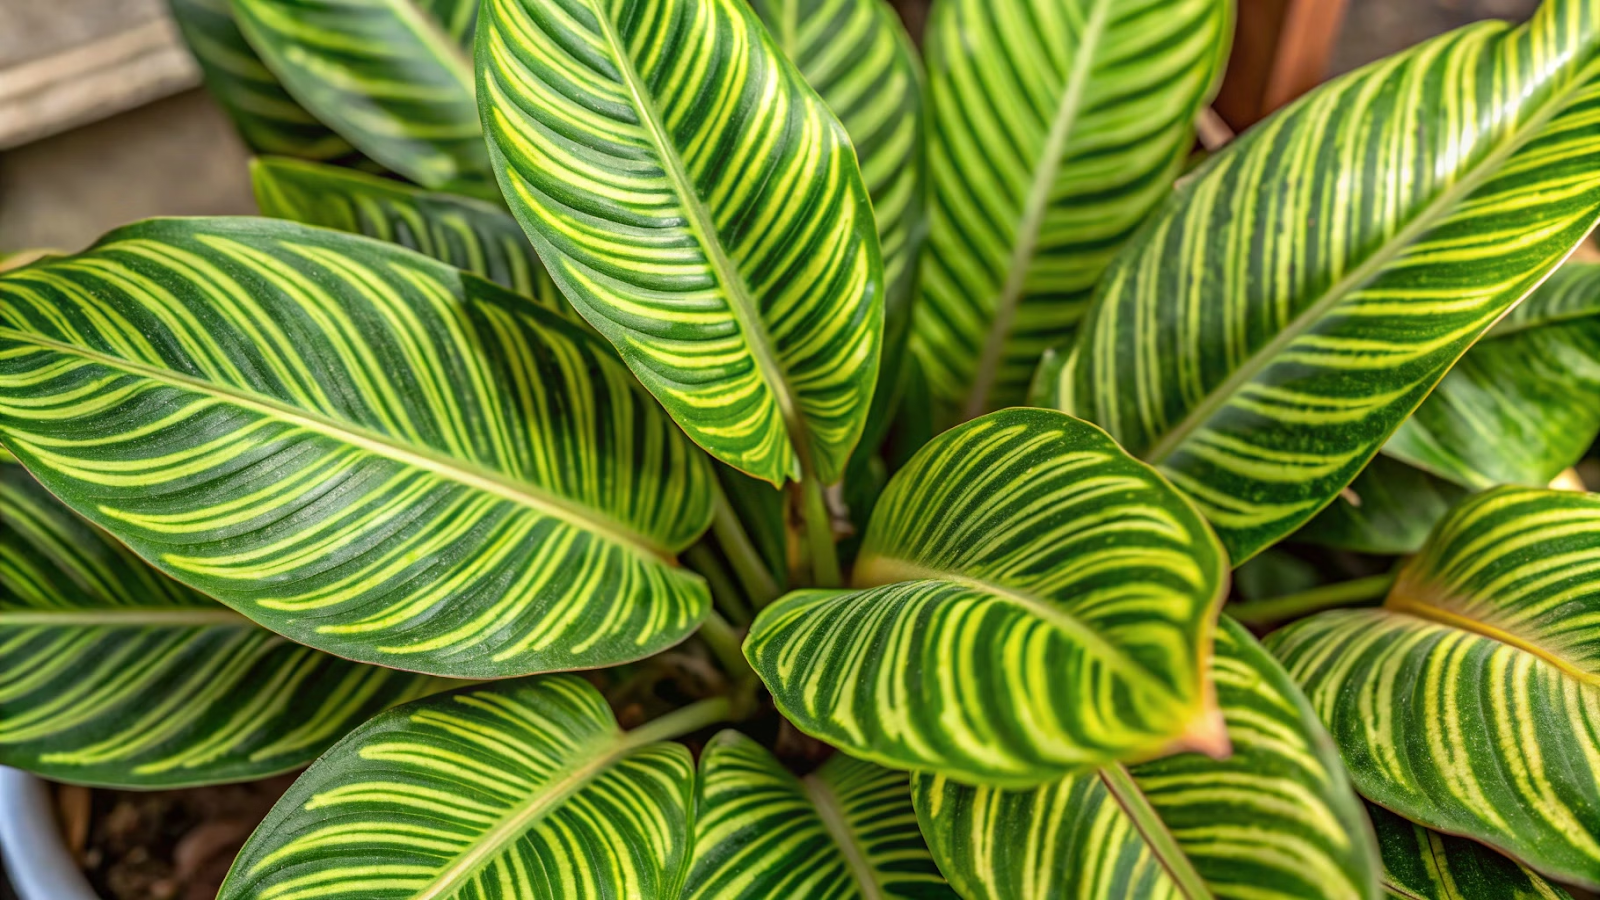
(36, 856)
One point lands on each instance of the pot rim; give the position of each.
(36, 857)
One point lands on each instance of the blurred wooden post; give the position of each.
(1281, 50)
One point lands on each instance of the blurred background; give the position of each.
(102, 120)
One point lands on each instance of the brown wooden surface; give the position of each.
(1281, 49)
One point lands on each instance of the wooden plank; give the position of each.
(1281, 49)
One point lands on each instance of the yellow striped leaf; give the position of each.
(393, 77)
(1470, 702)
(356, 446)
(1029, 602)
(1519, 408)
(1280, 316)
(846, 831)
(1277, 820)
(699, 205)
(113, 674)
(509, 792)
(267, 118)
(1419, 864)
(1056, 126)
(469, 234)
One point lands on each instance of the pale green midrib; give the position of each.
(1032, 224)
(744, 307)
(433, 35)
(1402, 604)
(526, 495)
(878, 570)
(552, 794)
(1163, 845)
(834, 822)
(115, 617)
(1430, 216)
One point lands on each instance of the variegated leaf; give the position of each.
(1419, 864)
(1055, 127)
(393, 77)
(469, 234)
(268, 119)
(702, 208)
(1469, 702)
(111, 673)
(1520, 406)
(1029, 602)
(1277, 820)
(845, 832)
(356, 446)
(1294, 302)
(508, 792)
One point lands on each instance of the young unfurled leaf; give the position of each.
(394, 77)
(1419, 864)
(113, 674)
(1030, 602)
(1276, 820)
(1294, 302)
(699, 205)
(1055, 127)
(356, 446)
(846, 830)
(469, 234)
(1469, 702)
(503, 792)
(1520, 406)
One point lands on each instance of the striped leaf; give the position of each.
(111, 673)
(844, 832)
(1056, 126)
(508, 792)
(469, 234)
(1419, 864)
(1519, 408)
(267, 118)
(702, 208)
(1470, 702)
(356, 446)
(858, 57)
(394, 77)
(1278, 318)
(1277, 820)
(1389, 509)
(1030, 602)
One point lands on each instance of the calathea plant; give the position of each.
(681, 344)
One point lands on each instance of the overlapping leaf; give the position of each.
(702, 208)
(356, 446)
(111, 673)
(469, 234)
(526, 789)
(1469, 703)
(1055, 127)
(858, 57)
(1388, 509)
(1030, 602)
(1277, 820)
(846, 831)
(1419, 864)
(1278, 318)
(394, 77)
(1520, 406)
(269, 120)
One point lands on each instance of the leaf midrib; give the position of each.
(831, 813)
(1431, 215)
(1400, 604)
(112, 617)
(520, 493)
(1037, 204)
(740, 302)
(1157, 836)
